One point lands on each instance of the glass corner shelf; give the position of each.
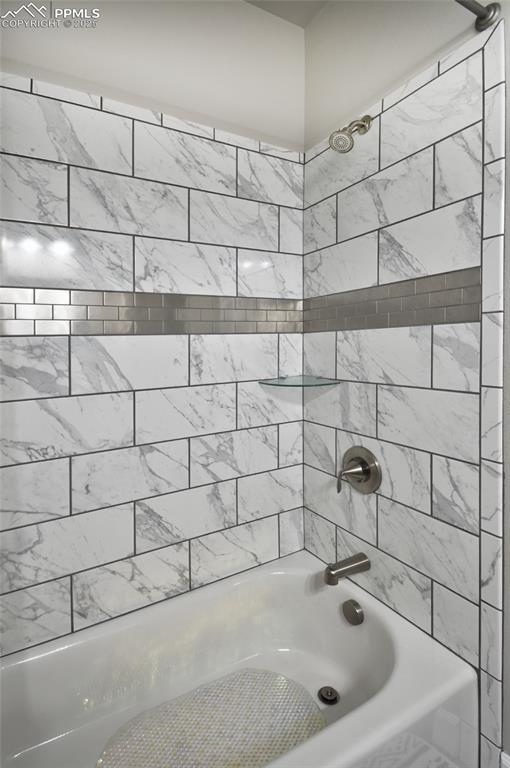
(299, 381)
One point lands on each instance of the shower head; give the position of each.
(342, 140)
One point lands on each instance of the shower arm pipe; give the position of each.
(486, 16)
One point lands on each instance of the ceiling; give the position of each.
(299, 12)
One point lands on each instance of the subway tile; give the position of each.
(33, 311)
(401, 191)
(456, 623)
(52, 327)
(178, 158)
(236, 139)
(491, 570)
(492, 424)
(167, 414)
(47, 429)
(269, 179)
(78, 136)
(128, 205)
(492, 280)
(443, 240)
(290, 354)
(175, 517)
(492, 349)
(292, 533)
(232, 358)
(31, 367)
(291, 230)
(233, 454)
(281, 152)
(411, 85)
(319, 354)
(10, 80)
(33, 493)
(491, 480)
(456, 358)
(440, 422)
(319, 225)
(491, 640)
(69, 313)
(455, 493)
(458, 166)
(102, 313)
(473, 44)
(140, 472)
(349, 405)
(88, 297)
(187, 126)
(129, 110)
(272, 275)
(494, 125)
(222, 554)
(111, 363)
(52, 257)
(48, 296)
(269, 493)
(173, 267)
(343, 267)
(490, 708)
(39, 553)
(16, 327)
(320, 537)
(111, 590)
(436, 549)
(62, 93)
(319, 447)
(230, 221)
(32, 190)
(494, 53)
(87, 327)
(426, 116)
(258, 405)
(494, 199)
(465, 314)
(401, 588)
(17, 295)
(290, 443)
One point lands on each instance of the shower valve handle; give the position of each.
(360, 469)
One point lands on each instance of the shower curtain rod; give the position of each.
(486, 16)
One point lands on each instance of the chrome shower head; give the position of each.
(342, 140)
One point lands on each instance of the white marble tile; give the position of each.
(231, 357)
(129, 110)
(281, 152)
(491, 707)
(348, 405)
(319, 447)
(65, 258)
(494, 53)
(494, 125)
(19, 82)
(351, 510)
(489, 754)
(269, 493)
(230, 221)
(122, 204)
(292, 531)
(331, 171)
(440, 422)
(168, 414)
(427, 115)
(222, 554)
(319, 225)
(178, 158)
(439, 241)
(401, 191)
(343, 267)
(492, 423)
(491, 570)
(258, 405)
(35, 615)
(458, 166)
(491, 640)
(491, 513)
(316, 150)
(446, 554)
(32, 493)
(411, 85)
(188, 126)
(234, 138)
(385, 355)
(112, 363)
(271, 275)
(54, 130)
(456, 362)
(468, 48)
(182, 515)
(492, 275)
(392, 582)
(291, 230)
(112, 590)
(320, 537)
(33, 367)
(290, 354)
(269, 179)
(167, 266)
(319, 354)
(456, 623)
(55, 427)
(63, 93)
(233, 454)
(290, 444)
(492, 349)
(494, 199)
(405, 473)
(33, 190)
(139, 472)
(455, 493)
(48, 551)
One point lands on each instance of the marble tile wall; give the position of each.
(151, 275)
(402, 225)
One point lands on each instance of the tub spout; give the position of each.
(355, 564)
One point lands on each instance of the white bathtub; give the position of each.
(401, 693)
